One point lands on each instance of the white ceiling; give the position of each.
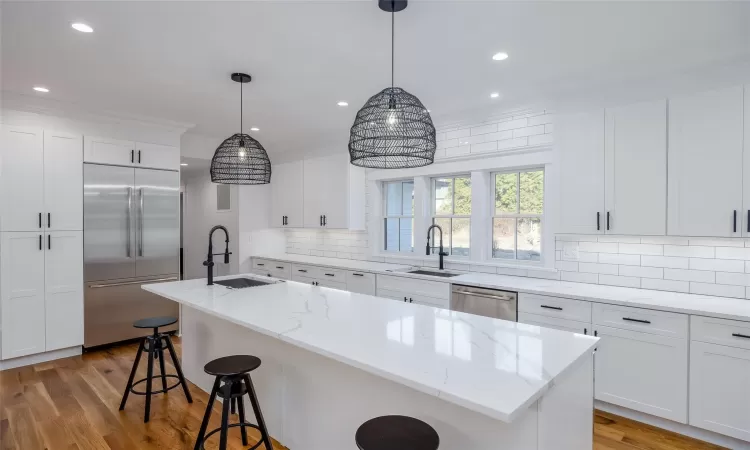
(172, 60)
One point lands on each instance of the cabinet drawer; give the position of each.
(639, 319)
(360, 282)
(563, 308)
(433, 289)
(393, 295)
(733, 333)
(556, 323)
(303, 279)
(419, 299)
(332, 284)
(277, 269)
(305, 271)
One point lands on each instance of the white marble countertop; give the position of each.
(337, 263)
(494, 367)
(721, 307)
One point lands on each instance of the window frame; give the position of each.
(434, 215)
(384, 216)
(493, 215)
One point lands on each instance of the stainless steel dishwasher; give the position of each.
(485, 302)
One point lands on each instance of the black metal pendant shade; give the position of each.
(240, 159)
(393, 130)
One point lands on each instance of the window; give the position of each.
(398, 223)
(518, 212)
(451, 198)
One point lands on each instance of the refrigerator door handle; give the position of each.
(128, 220)
(140, 222)
(126, 283)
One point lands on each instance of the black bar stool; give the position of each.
(155, 345)
(396, 432)
(233, 372)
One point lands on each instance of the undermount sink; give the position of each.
(433, 273)
(239, 283)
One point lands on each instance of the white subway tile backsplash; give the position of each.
(668, 240)
(512, 271)
(484, 147)
(533, 273)
(512, 143)
(733, 253)
(622, 239)
(665, 285)
(549, 128)
(484, 129)
(701, 276)
(541, 120)
(457, 134)
(717, 289)
(457, 151)
(447, 143)
(528, 131)
(580, 277)
(599, 247)
(498, 136)
(512, 124)
(642, 272)
(566, 265)
(719, 265)
(665, 261)
(641, 249)
(575, 238)
(615, 280)
(540, 139)
(738, 279)
(689, 251)
(718, 242)
(610, 269)
(581, 257)
(616, 258)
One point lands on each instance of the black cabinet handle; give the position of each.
(597, 221)
(357, 274)
(748, 220)
(596, 333)
(280, 267)
(556, 308)
(741, 335)
(40, 242)
(40, 220)
(404, 299)
(49, 220)
(325, 220)
(139, 156)
(313, 283)
(607, 220)
(585, 331)
(410, 300)
(301, 270)
(261, 264)
(636, 320)
(49, 242)
(735, 221)
(330, 275)
(321, 220)
(132, 156)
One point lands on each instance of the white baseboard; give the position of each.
(39, 358)
(680, 428)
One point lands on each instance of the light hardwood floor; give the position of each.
(72, 404)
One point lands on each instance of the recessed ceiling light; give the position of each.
(495, 95)
(254, 129)
(41, 89)
(501, 56)
(82, 27)
(342, 104)
(183, 164)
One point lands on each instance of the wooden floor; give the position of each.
(72, 404)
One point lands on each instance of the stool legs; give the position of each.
(258, 414)
(149, 380)
(160, 348)
(207, 415)
(241, 408)
(132, 375)
(178, 368)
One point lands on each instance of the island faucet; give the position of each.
(441, 252)
(209, 262)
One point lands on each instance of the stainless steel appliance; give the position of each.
(131, 237)
(485, 302)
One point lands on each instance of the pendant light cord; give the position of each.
(241, 83)
(393, 38)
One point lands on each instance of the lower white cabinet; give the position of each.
(41, 291)
(720, 389)
(360, 282)
(271, 268)
(552, 322)
(424, 292)
(641, 371)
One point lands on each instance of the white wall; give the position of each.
(255, 236)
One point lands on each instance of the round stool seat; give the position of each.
(155, 322)
(396, 432)
(232, 365)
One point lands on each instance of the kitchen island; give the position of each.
(333, 359)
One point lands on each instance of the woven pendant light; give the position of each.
(393, 130)
(240, 159)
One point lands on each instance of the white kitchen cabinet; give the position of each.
(746, 168)
(155, 156)
(554, 322)
(425, 292)
(334, 193)
(21, 179)
(705, 164)
(108, 151)
(63, 295)
(287, 193)
(360, 282)
(580, 146)
(641, 371)
(635, 169)
(22, 293)
(63, 181)
(720, 389)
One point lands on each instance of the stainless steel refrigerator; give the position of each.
(131, 237)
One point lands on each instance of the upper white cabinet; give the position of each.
(705, 164)
(334, 193)
(580, 145)
(41, 180)
(63, 181)
(22, 179)
(287, 193)
(635, 169)
(128, 153)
